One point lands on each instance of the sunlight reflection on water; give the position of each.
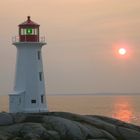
(123, 110)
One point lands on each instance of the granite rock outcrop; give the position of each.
(64, 126)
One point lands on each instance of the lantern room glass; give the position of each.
(28, 31)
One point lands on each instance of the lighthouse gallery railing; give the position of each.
(16, 39)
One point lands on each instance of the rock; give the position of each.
(117, 122)
(5, 119)
(129, 134)
(64, 126)
(3, 137)
(97, 139)
(19, 117)
(93, 132)
(34, 128)
(53, 135)
(31, 136)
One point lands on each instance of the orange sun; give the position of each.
(122, 51)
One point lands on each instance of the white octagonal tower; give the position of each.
(29, 89)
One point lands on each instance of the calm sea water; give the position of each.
(126, 108)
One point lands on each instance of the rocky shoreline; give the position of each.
(64, 126)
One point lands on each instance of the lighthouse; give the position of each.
(29, 88)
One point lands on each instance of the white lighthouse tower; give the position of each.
(29, 89)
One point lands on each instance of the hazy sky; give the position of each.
(82, 37)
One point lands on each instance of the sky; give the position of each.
(83, 37)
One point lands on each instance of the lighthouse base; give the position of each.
(36, 110)
(18, 104)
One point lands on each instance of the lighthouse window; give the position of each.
(22, 31)
(35, 31)
(38, 53)
(29, 31)
(19, 100)
(42, 98)
(40, 76)
(33, 101)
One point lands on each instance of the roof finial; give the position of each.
(28, 18)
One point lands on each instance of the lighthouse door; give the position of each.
(15, 103)
(21, 102)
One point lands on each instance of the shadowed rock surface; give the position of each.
(64, 126)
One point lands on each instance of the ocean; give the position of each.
(125, 108)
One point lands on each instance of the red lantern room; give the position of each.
(29, 31)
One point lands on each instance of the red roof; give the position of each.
(29, 23)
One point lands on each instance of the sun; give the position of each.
(122, 51)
